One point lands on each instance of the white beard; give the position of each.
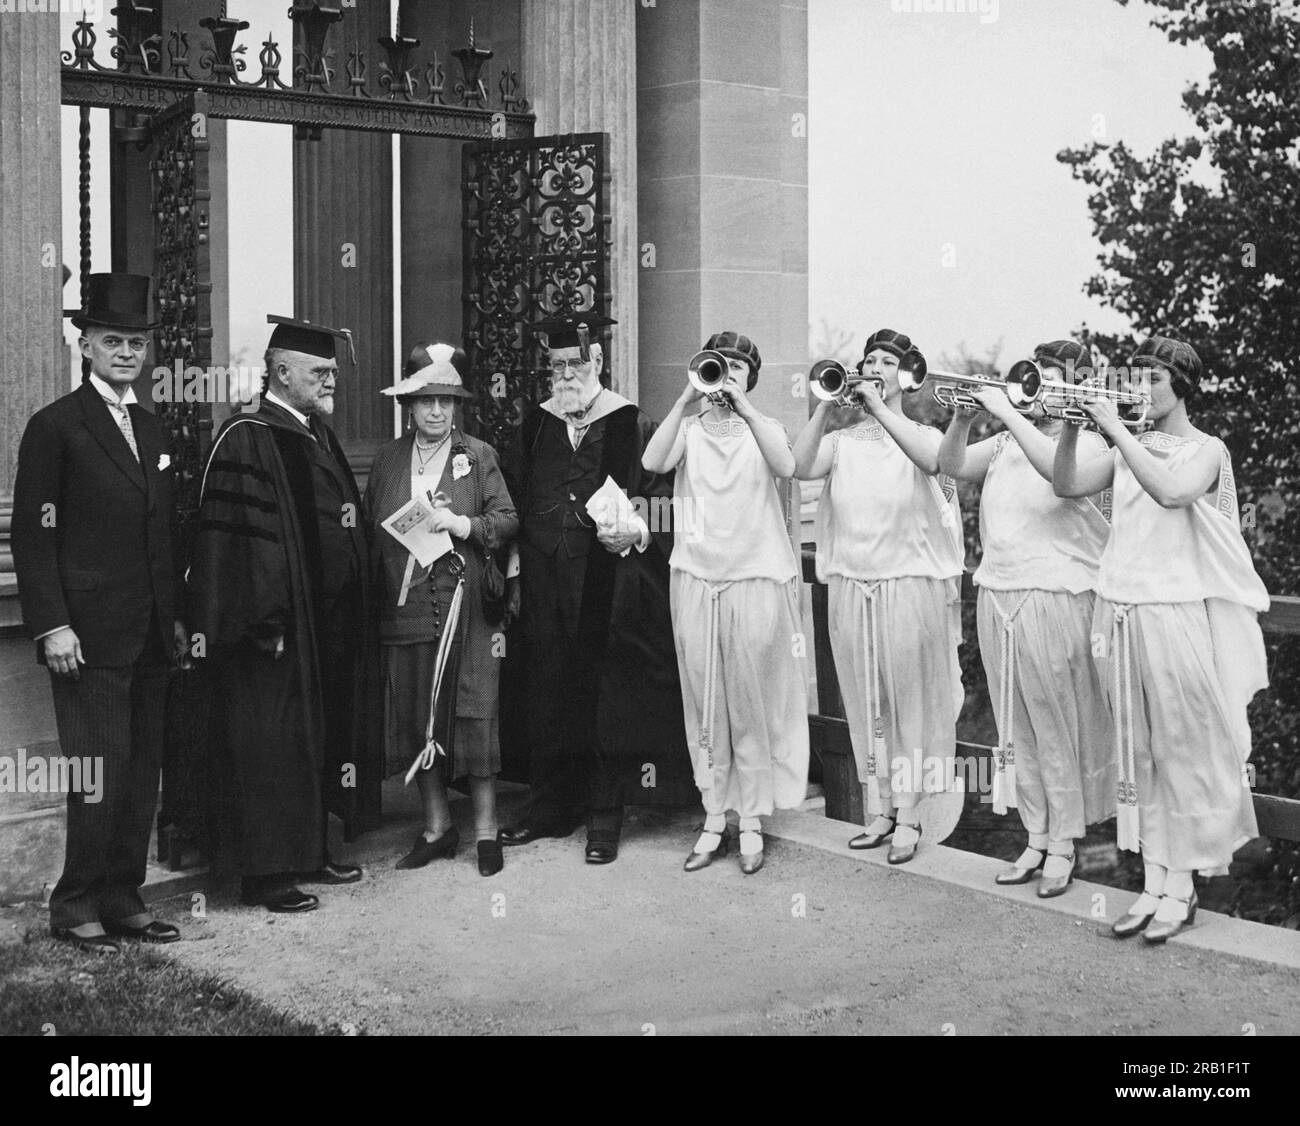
(325, 405)
(573, 398)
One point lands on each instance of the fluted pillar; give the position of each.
(343, 246)
(33, 362)
(580, 73)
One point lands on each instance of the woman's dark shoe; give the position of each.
(490, 858)
(1171, 916)
(1024, 869)
(1134, 921)
(425, 850)
(876, 833)
(697, 859)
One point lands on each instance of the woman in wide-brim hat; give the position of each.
(460, 479)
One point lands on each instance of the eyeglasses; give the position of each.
(559, 367)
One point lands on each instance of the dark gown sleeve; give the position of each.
(239, 582)
(657, 488)
(498, 524)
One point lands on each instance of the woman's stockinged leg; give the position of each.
(483, 795)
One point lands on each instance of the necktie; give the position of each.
(122, 416)
(317, 430)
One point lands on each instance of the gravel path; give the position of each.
(815, 943)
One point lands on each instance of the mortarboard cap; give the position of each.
(313, 339)
(572, 330)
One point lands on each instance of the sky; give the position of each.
(937, 205)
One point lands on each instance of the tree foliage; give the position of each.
(1203, 236)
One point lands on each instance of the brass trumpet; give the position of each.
(951, 389)
(1063, 399)
(707, 372)
(832, 382)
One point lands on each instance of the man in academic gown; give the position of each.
(97, 575)
(280, 588)
(603, 696)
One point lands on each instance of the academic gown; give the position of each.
(613, 635)
(299, 735)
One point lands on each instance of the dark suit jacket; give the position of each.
(92, 528)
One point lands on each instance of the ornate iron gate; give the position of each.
(181, 200)
(537, 243)
(178, 171)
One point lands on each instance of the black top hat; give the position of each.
(115, 301)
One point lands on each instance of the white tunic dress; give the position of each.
(1180, 653)
(735, 607)
(1037, 577)
(889, 548)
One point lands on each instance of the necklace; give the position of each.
(433, 449)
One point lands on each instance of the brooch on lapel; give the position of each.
(461, 462)
(164, 460)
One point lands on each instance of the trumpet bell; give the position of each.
(912, 371)
(707, 372)
(1024, 383)
(832, 382)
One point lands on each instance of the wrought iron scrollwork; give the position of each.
(536, 219)
(181, 198)
(387, 72)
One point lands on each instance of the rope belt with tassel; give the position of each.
(1004, 778)
(432, 748)
(1126, 795)
(876, 749)
(710, 670)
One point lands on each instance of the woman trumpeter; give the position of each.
(735, 606)
(889, 548)
(1036, 580)
(460, 481)
(1179, 648)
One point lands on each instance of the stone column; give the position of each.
(722, 107)
(579, 71)
(33, 362)
(33, 372)
(343, 245)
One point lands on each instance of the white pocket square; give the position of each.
(164, 460)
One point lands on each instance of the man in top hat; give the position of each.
(603, 696)
(280, 590)
(92, 543)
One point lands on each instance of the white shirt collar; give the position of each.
(279, 402)
(107, 391)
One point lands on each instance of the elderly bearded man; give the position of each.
(280, 584)
(603, 697)
(92, 542)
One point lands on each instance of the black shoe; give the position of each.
(90, 943)
(526, 832)
(425, 850)
(152, 931)
(490, 858)
(333, 874)
(602, 846)
(282, 900)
